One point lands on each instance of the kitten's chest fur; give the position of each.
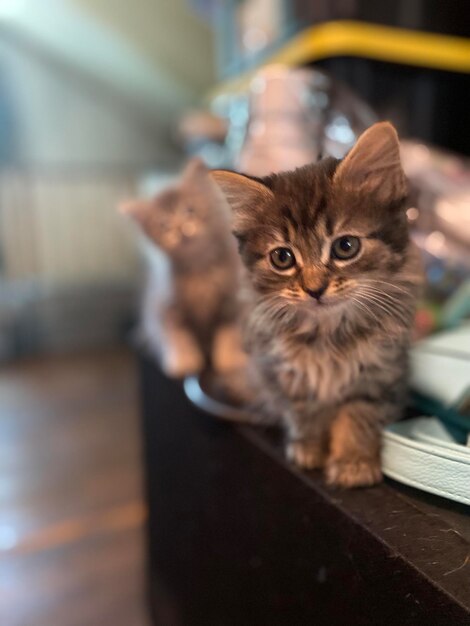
(324, 372)
(205, 297)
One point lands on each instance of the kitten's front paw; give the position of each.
(227, 352)
(178, 364)
(306, 454)
(353, 473)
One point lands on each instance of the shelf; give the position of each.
(365, 40)
(238, 536)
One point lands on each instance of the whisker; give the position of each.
(399, 301)
(365, 308)
(393, 299)
(384, 282)
(390, 309)
(378, 303)
(381, 294)
(383, 305)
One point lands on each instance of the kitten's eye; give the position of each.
(282, 258)
(346, 247)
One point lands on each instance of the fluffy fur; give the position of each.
(189, 301)
(328, 338)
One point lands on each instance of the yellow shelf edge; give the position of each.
(371, 41)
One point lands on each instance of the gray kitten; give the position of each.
(331, 279)
(189, 302)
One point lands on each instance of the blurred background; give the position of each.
(101, 101)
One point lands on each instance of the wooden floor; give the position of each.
(71, 510)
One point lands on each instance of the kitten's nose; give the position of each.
(318, 292)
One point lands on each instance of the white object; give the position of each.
(440, 366)
(421, 453)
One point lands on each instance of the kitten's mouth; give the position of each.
(324, 303)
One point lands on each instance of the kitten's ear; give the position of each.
(195, 167)
(373, 165)
(137, 209)
(244, 195)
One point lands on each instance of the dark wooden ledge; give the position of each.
(237, 537)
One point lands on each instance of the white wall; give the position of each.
(56, 117)
(167, 33)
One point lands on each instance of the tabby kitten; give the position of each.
(331, 280)
(188, 311)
